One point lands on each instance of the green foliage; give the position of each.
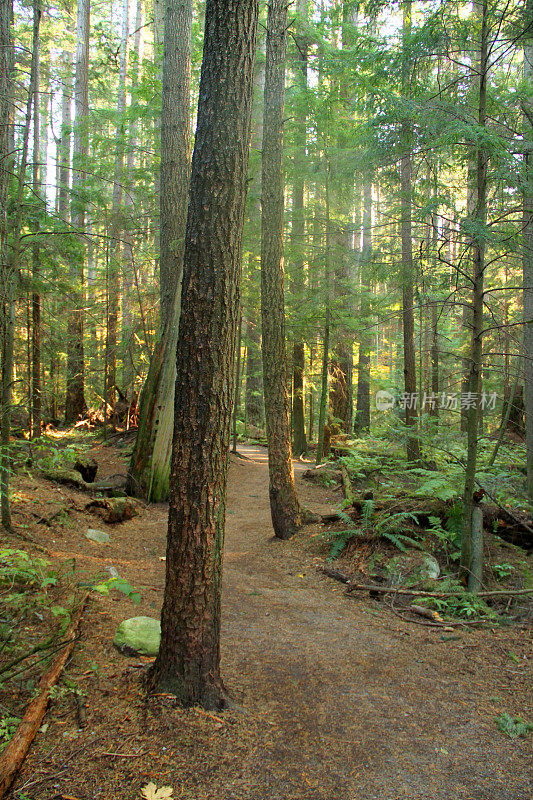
(464, 606)
(503, 571)
(8, 726)
(17, 567)
(339, 539)
(395, 528)
(115, 582)
(513, 728)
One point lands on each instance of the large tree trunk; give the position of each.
(149, 469)
(75, 396)
(284, 506)
(188, 663)
(479, 222)
(527, 247)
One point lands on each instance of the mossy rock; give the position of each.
(68, 477)
(412, 569)
(138, 636)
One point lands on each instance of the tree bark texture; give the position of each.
(75, 395)
(188, 663)
(175, 152)
(406, 169)
(478, 264)
(149, 469)
(298, 238)
(527, 246)
(284, 506)
(7, 308)
(36, 400)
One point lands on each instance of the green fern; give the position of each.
(513, 728)
(367, 512)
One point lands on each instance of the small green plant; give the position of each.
(503, 571)
(463, 605)
(120, 585)
(8, 726)
(513, 728)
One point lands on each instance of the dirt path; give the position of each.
(340, 699)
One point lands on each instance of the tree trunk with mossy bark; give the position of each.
(188, 663)
(149, 468)
(284, 506)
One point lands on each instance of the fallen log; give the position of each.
(13, 756)
(368, 587)
(428, 613)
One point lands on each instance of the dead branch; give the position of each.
(13, 756)
(366, 587)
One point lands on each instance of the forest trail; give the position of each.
(337, 699)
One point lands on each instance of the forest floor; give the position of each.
(337, 698)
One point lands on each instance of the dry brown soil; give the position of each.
(337, 699)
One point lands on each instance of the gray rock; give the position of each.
(411, 569)
(429, 569)
(138, 636)
(100, 537)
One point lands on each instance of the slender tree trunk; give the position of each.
(63, 145)
(254, 374)
(298, 236)
(322, 449)
(237, 390)
(117, 220)
(479, 221)
(406, 167)
(311, 400)
(12, 262)
(188, 663)
(362, 421)
(7, 308)
(284, 506)
(254, 382)
(35, 408)
(434, 354)
(75, 395)
(527, 247)
(149, 469)
(128, 301)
